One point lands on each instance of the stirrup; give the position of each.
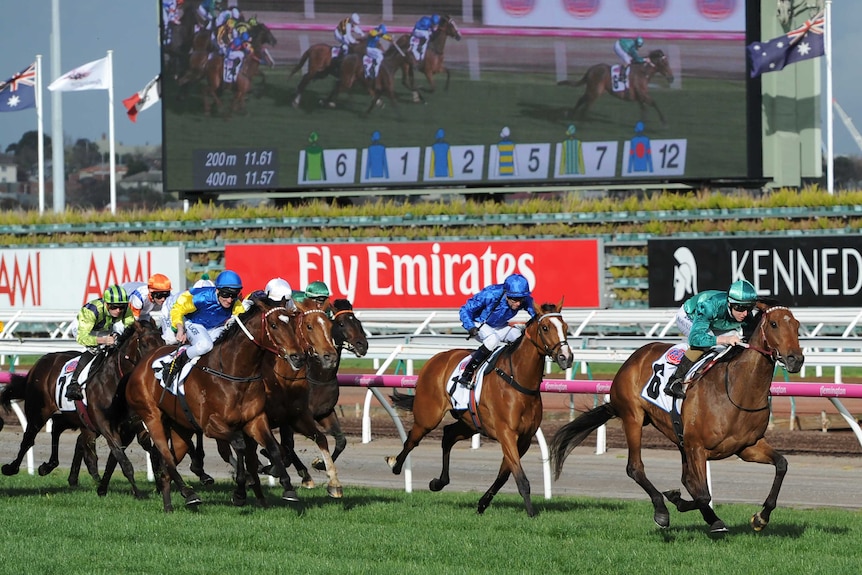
(74, 392)
(675, 389)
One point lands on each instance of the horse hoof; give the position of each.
(318, 464)
(9, 470)
(436, 485)
(673, 496)
(392, 461)
(46, 468)
(206, 479)
(335, 491)
(238, 500)
(103, 491)
(192, 500)
(290, 495)
(307, 484)
(757, 523)
(718, 528)
(662, 520)
(73, 482)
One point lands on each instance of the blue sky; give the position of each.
(89, 28)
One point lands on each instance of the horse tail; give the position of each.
(403, 401)
(572, 83)
(575, 432)
(302, 62)
(13, 390)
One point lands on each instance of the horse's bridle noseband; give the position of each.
(546, 349)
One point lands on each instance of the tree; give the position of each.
(26, 152)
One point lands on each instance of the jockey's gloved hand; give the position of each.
(474, 331)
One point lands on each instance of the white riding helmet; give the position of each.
(278, 289)
(355, 18)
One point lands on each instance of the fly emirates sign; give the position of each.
(426, 274)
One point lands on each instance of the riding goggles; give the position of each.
(320, 299)
(117, 306)
(515, 299)
(742, 307)
(160, 294)
(228, 293)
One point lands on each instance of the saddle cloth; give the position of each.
(460, 395)
(368, 62)
(665, 366)
(63, 380)
(334, 52)
(162, 365)
(616, 84)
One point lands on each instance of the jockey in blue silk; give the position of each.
(199, 315)
(239, 47)
(110, 314)
(627, 51)
(373, 48)
(486, 317)
(348, 33)
(712, 318)
(422, 30)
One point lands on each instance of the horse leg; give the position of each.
(239, 496)
(762, 452)
(307, 426)
(446, 87)
(258, 429)
(57, 429)
(514, 448)
(116, 444)
(153, 421)
(75, 468)
(417, 432)
(452, 434)
(694, 480)
(632, 426)
(252, 477)
(197, 460)
(330, 425)
(35, 421)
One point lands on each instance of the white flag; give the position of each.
(143, 99)
(91, 76)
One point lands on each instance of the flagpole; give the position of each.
(830, 155)
(40, 134)
(112, 166)
(58, 187)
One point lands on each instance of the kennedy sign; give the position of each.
(427, 274)
(814, 271)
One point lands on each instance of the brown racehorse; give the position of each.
(323, 388)
(725, 413)
(224, 397)
(510, 407)
(352, 70)
(432, 62)
(214, 71)
(105, 413)
(320, 65)
(598, 80)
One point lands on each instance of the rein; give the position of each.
(730, 399)
(544, 350)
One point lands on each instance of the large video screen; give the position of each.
(502, 92)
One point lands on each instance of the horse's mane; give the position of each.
(342, 304)
(656, 54)
(255, 308)
(545, 308)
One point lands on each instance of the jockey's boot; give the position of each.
(176, 367)
(73, 390)
(476, 359)
(422, 45)
(674, 386)
(624, 72)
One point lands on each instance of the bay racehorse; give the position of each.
(320, 65)
(432, 62)
(352, 70)
(104, 413)
(224, 397)
(599, 80)
(323, 388)
(509, 409)
(725, 413)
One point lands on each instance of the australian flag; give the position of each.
(19, 91)
(803, 43)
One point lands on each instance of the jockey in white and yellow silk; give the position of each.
(348, 33)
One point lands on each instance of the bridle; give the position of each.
(769, 352)
(264, 328)
(344, 343)
(546, 349)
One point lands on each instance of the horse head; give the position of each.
(777, 335)
(658, 59)
(348, 330)
(274, 332)
(313, 330)
(262, 36)
(449, 28)
(548, 332)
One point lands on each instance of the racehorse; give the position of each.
(432, 62)
(104, 414)
(224, 397)
(323, 388)
(214, 71)
(320, 65)
(509, 409)
(725, 413)
(180, 41)
(599, 80)
(383, 84)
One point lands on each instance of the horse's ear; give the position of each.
(560, 305)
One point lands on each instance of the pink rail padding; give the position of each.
(791, 389)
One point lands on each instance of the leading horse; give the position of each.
(320, 65)
(224, 397)
(725, 413)
(509, 409)
(432, 62)
(599, 80)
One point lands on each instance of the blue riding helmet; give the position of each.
(435, 19)
(440, 134)
(382, 28)
(742, 292)
(639, 41)
(517, 286)
(228, 279)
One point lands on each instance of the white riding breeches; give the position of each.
(200, 338)
(491, 337)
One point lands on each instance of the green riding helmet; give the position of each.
(742, 292)
(317, 289)
(115, 295)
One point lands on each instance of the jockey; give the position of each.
(627, 50)
(149, 297)
(373, 48)
(706, 314)
(200, 315)
(348, 33)
(240, 45)
(278, 290)
(422, 30)
(318, 292)
(486, 317)
(207, 12)
(170, 12)
(110, 314)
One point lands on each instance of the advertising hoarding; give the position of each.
(418, 275)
